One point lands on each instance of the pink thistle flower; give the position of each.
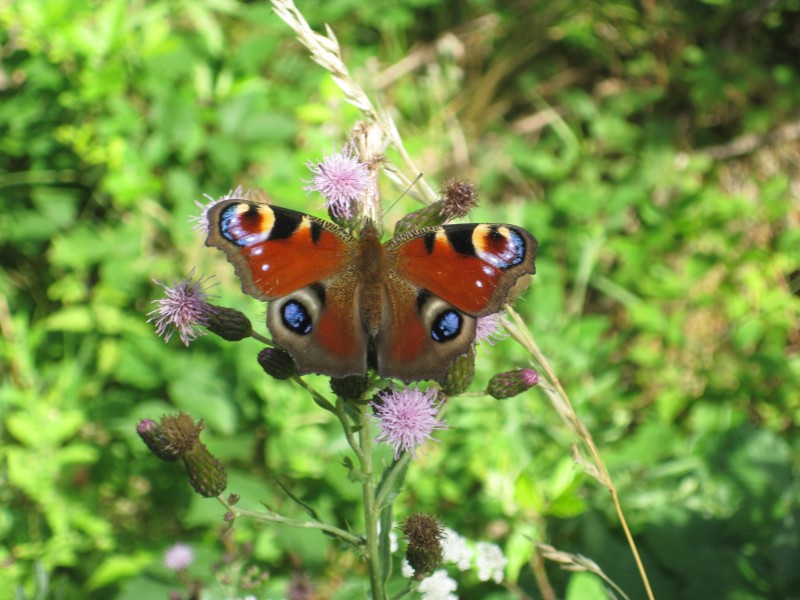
(489, 329)
(183, 309)
(201, 220)
(342, 180)
(178, 557)
(406, 418)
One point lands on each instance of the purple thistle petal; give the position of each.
(407, 418)
(489, 329)
(183, 309)
(342, 180)
(178, 557)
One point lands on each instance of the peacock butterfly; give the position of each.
(337, 304)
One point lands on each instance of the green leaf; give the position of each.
(118, 567)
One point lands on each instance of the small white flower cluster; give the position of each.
(488, 559)
(490, 562)
(438, 587)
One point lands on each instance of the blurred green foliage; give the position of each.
(652, 148)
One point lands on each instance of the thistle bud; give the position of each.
(349, 388)
(458, 198)
(178, 436)
(180, 432)
(424, 535)
(511, 383)
(277, 363)
(153, 436)
(426, 216)
(228, 323)
(206, 474)
(460, 374)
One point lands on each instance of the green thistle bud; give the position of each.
(153, 436)
(206, 474)
(511, 383)
(178, 436)
(424, 217)
(349, 388)
(460, 374)
(228, 323)
(424, 535)
(277, 363)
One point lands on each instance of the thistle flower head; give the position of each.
(342, 180)
(406, 418)
(458, 198)
(184, 307)
(424, 536)
(490, 329)
(178, 557)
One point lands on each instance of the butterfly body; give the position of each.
(339, 304)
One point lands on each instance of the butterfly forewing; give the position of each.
(276, 250)
(470, 266)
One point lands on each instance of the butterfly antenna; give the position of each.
(411, 185)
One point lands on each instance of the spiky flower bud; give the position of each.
(424, 535)
(459, 197)
(277, 363)
(180, 432)
(511, 383)
(228, 323)
(206, 474)
(349, 388)
(178, 436)
(460, 374)
(426, 216)
(153, 436)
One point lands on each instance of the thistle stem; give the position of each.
(371, 513)
(273, 517)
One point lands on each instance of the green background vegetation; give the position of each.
(653, 150)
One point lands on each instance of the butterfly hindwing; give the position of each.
(421, 334)
(320, 326)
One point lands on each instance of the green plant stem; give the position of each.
(261, 338)
(371, 512)
(410, 587)
(321, 400)
(348, 430)
(273, 517)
